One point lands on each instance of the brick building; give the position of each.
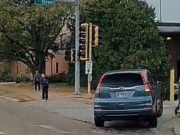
(54, 66)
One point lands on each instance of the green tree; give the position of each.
(130, 38)
(28, 33)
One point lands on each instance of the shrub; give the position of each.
(21, 78)
(7, 78)
(130, 37)
(58, 78)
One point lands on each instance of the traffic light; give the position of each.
(83, 47)
(96, 37)
(67, 55)
(70, 55)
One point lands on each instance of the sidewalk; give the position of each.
(26, 93)
(61, 100)
(176, 120)
(177, 126)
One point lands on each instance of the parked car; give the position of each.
(129, 94)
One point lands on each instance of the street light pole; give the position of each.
(90, 57)
(77, 62)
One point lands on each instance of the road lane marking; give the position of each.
(97, 132)
(53, 129)
(9, 98)
(2, 133)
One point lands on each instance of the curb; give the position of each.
(26, 99)
(86, 96)
(4, 83)
(9, 98)
(81, 97)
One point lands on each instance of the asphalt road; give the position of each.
(18, 119)
(25, 119)
(165, 126)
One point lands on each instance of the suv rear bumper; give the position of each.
(123, 114)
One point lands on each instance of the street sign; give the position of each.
(88, 67)
(50, 2)
(66, 1)
(44, 2)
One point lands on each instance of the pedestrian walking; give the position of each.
(45, 87)
(37, 79)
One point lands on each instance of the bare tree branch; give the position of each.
(54, 38)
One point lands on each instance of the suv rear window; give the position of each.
(122, 80)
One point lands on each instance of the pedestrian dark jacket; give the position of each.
(37, 77)
(44, 83)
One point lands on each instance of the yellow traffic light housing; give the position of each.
(96, 36)
(84, 36)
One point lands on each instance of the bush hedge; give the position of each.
(58, 78)
(11, 78)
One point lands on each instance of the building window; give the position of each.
(17, 69)
(57, 67)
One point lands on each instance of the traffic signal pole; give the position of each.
(77, 62)
(90, 58)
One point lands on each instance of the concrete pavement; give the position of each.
(22, 119)
(176, 119)
(65, 103)
(177, 126)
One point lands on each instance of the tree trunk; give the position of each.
(42, 66)
(40, 63)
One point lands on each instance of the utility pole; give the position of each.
(77, 62)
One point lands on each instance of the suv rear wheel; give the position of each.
(98, 122)
(159, 109)
(153, 121)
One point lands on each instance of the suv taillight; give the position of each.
(147, 88)
(99, 86)
(146, 85)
